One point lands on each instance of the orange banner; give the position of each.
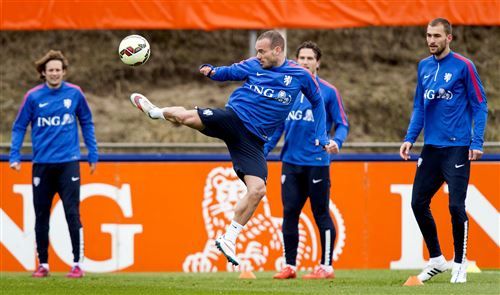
(164, 216)
(213, 15)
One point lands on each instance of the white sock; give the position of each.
(75, 264)
(45, 265)
(292, 266)
(328, 268)
(232, 231)
(156, 113)
(438, 260)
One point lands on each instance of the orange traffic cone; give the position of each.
(413, 281)
(247, 275)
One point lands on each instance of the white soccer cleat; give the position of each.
(432, 269)
(142, 103)
(459, 273)
(228, 249)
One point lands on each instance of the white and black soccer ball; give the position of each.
(134, 50)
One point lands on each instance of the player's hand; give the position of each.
(15, 166)
(332, 147)
(404, 150)
(92, 166)
(207, 71)
(475, 155)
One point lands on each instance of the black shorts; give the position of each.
(246, 149)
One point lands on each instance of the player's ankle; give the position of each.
(156, 113)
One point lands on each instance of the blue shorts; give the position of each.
(245, 148)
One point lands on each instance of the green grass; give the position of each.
(347, 282)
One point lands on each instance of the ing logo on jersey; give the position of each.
(431, 94)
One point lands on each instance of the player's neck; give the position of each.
(280, 61)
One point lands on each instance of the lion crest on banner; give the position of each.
(260, 245)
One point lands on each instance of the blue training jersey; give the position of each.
(448, 97)
(54, 130)
(266, 97)
(299, 128)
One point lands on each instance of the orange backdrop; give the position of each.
(257, 14)
(175, 208)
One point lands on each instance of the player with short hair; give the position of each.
(254, 110)
(450, 105)
(306, 168)
(53, 108)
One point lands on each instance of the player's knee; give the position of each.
(257, 192)
(418, 206)
(457, 210)
(73, 221)
(291, 211)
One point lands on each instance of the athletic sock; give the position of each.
(438, 260)
(156, 113)
(45, 265)
(232, 231)
(292, 266)
(328, 268)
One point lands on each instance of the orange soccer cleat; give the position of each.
(319, 273)
(286, 273)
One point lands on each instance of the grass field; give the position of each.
(347, 282)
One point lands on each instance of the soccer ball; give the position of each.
(134, 50)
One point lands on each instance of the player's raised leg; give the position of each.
(176, 115)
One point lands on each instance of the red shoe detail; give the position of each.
(286, 273)
(40, 272)
(75, 273)
(319, 273)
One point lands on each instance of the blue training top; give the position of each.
(54, 131)
(448, 97)
(266, 97)
(299, 128)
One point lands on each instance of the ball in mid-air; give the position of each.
(134, 50)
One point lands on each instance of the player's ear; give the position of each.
(277, 50)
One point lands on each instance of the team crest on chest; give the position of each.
(287, 80)
(447, 77)
(67, 103)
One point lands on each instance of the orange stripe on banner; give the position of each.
(168, 220)
(244, 14)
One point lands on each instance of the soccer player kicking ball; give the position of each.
(448, 98)
(252, 113)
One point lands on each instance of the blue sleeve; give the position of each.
(234, 72)
(479, 104)
(19, 127)
(335, 109)
(417, 117)
(85, 118)
(311, 90)
(274, 139)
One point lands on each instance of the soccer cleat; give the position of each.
(40, 272)
(228, 249)
(319, 273)
(432, 269)
(459, 273)
(286, 273)
(142, 103)
(75, 273)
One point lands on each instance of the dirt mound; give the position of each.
(373, 68)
